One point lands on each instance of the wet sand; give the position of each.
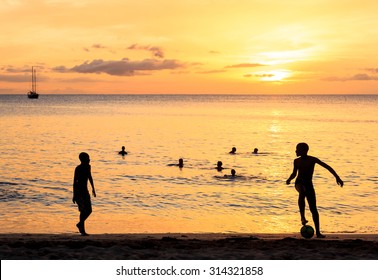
(190, 246)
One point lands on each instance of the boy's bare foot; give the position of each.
(304, 221)
(81, 228)
(319, 235)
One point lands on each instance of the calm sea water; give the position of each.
(41, 140)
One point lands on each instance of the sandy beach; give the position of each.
(187, 247)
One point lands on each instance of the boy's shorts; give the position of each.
(84, 203)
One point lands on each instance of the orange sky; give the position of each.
(190, 46)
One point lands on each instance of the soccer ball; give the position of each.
(307, 231)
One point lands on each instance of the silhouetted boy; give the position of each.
(304, 166)
(80, 190)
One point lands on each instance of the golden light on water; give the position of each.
(144, 192)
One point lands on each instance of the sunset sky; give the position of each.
(190, 46)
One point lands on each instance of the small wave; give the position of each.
(10, 195)
(8, 184)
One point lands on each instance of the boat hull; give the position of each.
(33, 95)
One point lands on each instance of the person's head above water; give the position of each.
(181, 162)
(123, 152)
(233, 150)
(302, 149)
(219, 164)
(255, 151)
(84, 157)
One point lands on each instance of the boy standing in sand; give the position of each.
(80, 190)
(304, 165)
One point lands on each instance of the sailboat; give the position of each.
(33, 92)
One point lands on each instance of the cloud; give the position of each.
(17, 70)
(373, 70)
(61, 69)
(20, 74)
(94, 46)
(363, 77)
(245, 65)
(264, 75)
(357, 77)
(123, 67)
(14, 78)
(98, 46)
(212, 72)
(156, 51)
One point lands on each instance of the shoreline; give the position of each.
(187, 246)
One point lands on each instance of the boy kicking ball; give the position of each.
(304, 166)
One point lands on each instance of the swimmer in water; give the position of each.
(233, 174)
(255, 151)
(179, 164)
(219, 166)
(233, 150)
(123, 152)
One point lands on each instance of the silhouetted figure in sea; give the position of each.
(122, 152)
(179, 164)
(80, 190)
(304, 166)
(233, 174)
(255, 151)
(233, 150)
(219, 166)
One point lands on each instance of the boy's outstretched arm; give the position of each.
(293, 175)
(333, 172)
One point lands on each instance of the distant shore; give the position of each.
(182, 246)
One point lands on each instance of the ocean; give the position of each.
(145, 192)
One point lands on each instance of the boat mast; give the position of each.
(34, 80)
